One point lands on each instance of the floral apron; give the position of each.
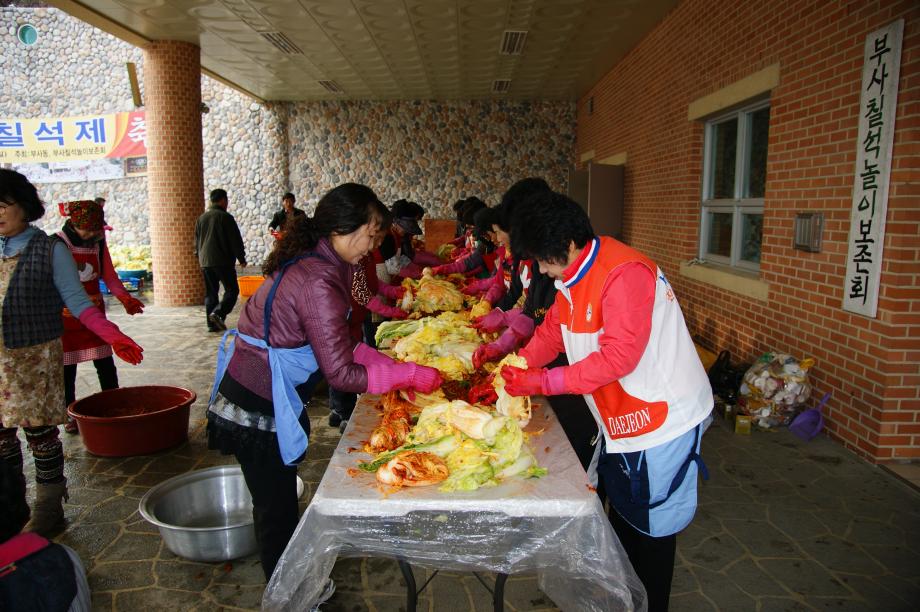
(32, 377)
(80, 344)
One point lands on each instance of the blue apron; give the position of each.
(289, 368)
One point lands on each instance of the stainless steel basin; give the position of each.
(204, 515)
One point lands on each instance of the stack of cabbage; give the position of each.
(131, 257)
(430, 295)
(480, 449)
(446, 342)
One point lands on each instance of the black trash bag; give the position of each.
(724, 379)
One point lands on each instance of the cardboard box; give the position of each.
(437, 232)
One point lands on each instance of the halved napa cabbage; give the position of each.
(518, 408)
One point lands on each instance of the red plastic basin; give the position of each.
(133, 420)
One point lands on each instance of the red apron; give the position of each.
(80, 344)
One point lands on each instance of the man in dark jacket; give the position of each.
(218, 245)
(286, 213)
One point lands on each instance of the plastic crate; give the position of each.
(249, 284)
(126, 274)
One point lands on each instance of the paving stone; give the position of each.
(837, 554)
(246, 571)
(750, 578)
(715, 552)
(238, 596)
(183, 575)
(102, 602)
(347, 574)
(804, 577)
(378, 574)
(899, 560)
(89, 540)
(171, 464)
(692, 602)
(873, 591)
(683, 580)
(117, 508)
(874, 533)
(761, 538)
(133, 547)
(523, 593)
(840, 604)
(778, 604)
(149, 479)
(726, 595)
(121, 575)
(798, 525)
(155, 600)
(84, 496)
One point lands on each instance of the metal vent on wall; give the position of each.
(513, 42)
(331, 87)
(501, 86)
(281, 42)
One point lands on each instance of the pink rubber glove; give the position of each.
(451, 268)
(477, 286)
(124, 347)
(365, 355)
(132, 305)
(410, 270)
(393, 292)
(533, 381)
(382, 378)
(495, 292)
(519, 331)
(494, 321)
(424, 258)
(377, 306)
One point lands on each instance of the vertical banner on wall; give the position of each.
(877, 107)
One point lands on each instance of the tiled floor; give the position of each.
(782, 525)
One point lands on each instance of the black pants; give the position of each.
(213, 278)
(273, 487)
(105, 370)
(652, 558)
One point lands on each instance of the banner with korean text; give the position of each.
(61, 139)
(877, 107)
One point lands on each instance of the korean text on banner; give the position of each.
(877, 108)
(73, 138)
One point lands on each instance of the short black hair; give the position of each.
(16, 189)
(99, 200)
(518, 194)
(483, 220)
(217, 195)
(472, 206)
(289, 196)
(418, 211)
(546, 227)
(14, 511)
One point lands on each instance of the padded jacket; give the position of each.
(311, 306)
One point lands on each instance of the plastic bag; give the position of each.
(773, 388)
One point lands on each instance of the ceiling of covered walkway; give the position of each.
(391, 49)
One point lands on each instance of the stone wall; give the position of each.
(426, 151)
(431, 152)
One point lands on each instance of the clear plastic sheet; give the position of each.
(554, 526)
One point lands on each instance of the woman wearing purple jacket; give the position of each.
(292, 332)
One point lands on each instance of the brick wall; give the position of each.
(175, 172)
(640, 107)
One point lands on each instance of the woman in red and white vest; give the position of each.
(84, 235)
(631, 357)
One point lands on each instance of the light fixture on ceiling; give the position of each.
(513, 42)
(501, 86)
(331, 87)
(280, 41)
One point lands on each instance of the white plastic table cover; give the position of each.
(554, 526)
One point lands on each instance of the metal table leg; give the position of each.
(498, 595)
(411, 593)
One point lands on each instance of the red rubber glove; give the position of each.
(126, 348)
(377, 306)
(483, 393)
(132, 305)
(393, 292)
(486, 353)
(410, 270)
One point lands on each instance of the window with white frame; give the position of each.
(734, 175)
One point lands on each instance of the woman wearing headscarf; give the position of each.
(292, 332)
(38, 278)
(84, 235)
